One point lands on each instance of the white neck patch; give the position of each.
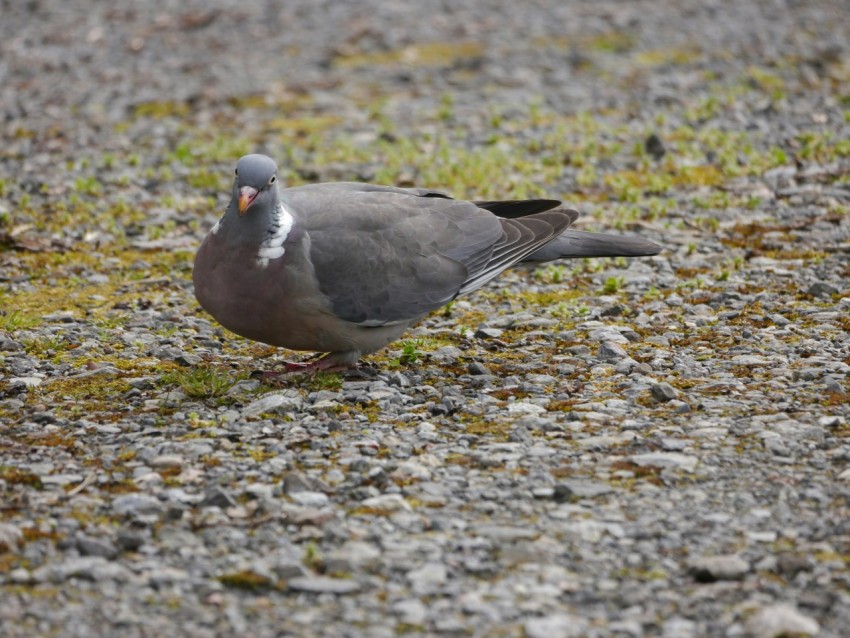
(272, 246)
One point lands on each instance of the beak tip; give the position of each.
(246, 198)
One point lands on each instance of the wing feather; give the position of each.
(384, 255)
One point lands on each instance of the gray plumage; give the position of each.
(346, 268)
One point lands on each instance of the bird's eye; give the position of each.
(273, 179)
(236, 172)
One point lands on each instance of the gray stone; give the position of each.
(612, 351)
(411, 611)
(103, 371)
(288, 567)
(61, 479)
(476, 368)
(555, 626)
(296, 482)
(399, 380)
(506, 533)
(217, 496)
(447, 355)
(260, 491)
(831, 421)
(672, 460)
(92, 546)
(310, 499)
(669, 444)
(712, 568)
(94, 568)
(167, 576)
(821, 289)
(678, 627)
(168, 461)
(274, 403)
(680, 407)
(602, 441)
(388, 502)
(187, 359)
(352, 556)
(578, 489)
(525, 407)
(137, 505)
(9, 345)
(11, 538)
(129, 540)
(323, 585)
(410, 471)
(609, 335)
(663, 392)
(428, 579)
(242, 387)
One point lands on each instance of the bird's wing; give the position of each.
(384, 254)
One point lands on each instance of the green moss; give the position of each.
(79, 397)
(312, 556)
(12, 320)
(325, 381)
(767, 81)
(552, 273)
(206, 179)
(612, 42)
(161, 109)
(410, 351)
(18, 476)
(247, 580)
(676, 56)
(84, 298)
(200, 382)
(649, 473)
(495, 430)
(613, 285)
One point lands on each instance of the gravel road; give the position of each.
(649, 447)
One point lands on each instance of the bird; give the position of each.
(345, 268)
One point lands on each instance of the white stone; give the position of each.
(389, 502)
(524, 407)
(672, 460)
(310, 499)
(555, 626)
(781, 620)
(29, 382)
(276, 403)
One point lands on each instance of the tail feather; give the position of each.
(571, 243)
(577, 243)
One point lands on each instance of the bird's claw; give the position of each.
(292, 368)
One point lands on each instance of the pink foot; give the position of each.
(327, 363)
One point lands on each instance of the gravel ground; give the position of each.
(655, 447)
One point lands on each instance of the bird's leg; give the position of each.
(319, 365)
(331, 362)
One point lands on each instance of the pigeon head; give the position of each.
(255, 185)
(256, 218)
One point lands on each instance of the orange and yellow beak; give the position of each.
(246, 197)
